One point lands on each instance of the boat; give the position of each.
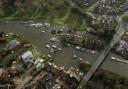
(59, 49)
(113, 58)
(48, 46)
(74, 56)
(82, 49)
(53, 39)
(54, 46)
(43, 31)
(77, 47)
(52, 50)
(92, 52)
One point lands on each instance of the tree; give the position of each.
(84, 66)
(91, 85)
(118, 86)
(125, 19)
(8, 6)
(109, 80)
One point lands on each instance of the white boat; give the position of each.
(81, 59)
(48, 46)
(77, 47)
(54, 46)
(83, 49)
(68, 44)
(113, 58)
(43, 31)
(49, 56)
(119, 60)
(92, 52)
(51, 50)
(21, 22)
(25, 22)
(53, 39)
(59, 49)
(74, 56)
(10, 33)
(47, 25)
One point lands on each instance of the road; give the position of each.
(73, 5)
(87, 11)
(92, 7)
(26, 80)
(104, 54)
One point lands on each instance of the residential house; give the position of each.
(27, 56)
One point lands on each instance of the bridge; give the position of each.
(104, 54)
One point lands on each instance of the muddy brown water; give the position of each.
(64, 57)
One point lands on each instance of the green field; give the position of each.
(56, 11)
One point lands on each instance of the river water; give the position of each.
(64, 57)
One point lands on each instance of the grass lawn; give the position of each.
(83, 26)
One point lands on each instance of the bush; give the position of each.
(84, 66)
(125, 19)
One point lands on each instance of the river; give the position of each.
(64, 57)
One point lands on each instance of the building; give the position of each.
(13, 44)
(27, 56)
(122, 45)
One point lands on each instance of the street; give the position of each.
(27, 79)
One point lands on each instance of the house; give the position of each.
(90, 30)
(39, 63)
(122, 46)
(1, 34)
(13, 44)
(27, 56)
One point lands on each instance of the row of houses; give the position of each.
(56, 77)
